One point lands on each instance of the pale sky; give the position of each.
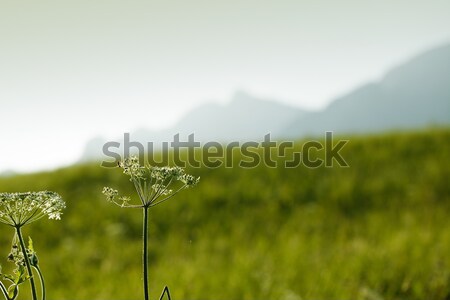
(73, 70)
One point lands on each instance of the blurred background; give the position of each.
(76, 74)
(73, 71)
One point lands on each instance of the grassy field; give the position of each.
(379, 229)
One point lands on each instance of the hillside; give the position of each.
(415, 94)
(376, 230)
(245, 118)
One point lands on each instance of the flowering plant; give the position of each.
(153, 185)
(18, 210)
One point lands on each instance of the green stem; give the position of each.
(145, 252)
(165, 291)
(27, 262)
(41, 277)
(3, 288)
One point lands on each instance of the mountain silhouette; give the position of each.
(244, 118)
(412, 95)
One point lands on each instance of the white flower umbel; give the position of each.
(153, 185)
(19, 209)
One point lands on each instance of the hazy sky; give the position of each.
(72, 70)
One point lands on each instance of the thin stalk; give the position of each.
(145, 252)
(27, 262)
(165, 291)
(41, 277)
(3, 288)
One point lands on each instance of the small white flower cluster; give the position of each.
(165, 174)
(18, 209)
(132, 168)
(112, 195)
(151, 183)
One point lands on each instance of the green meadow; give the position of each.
(379, 229)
